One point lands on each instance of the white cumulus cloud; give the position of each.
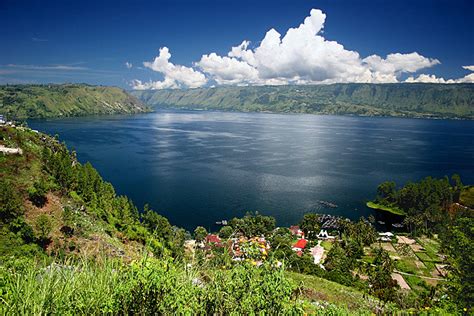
(128, 65)
(423, 78)
(175, 76)
(304, 56)
(301, 56)
(433, 79)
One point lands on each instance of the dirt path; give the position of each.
(401, 281)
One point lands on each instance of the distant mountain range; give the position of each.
(44, 101)
(409, 100)
(401, 99)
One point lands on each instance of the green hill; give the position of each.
(70, 245)
(44, 101)
(412, 100)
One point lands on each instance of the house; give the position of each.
(295, 230)
(323, 234)
(211, 238)
(214, 240)
(385, 236)
(317, 253)
(299, 246)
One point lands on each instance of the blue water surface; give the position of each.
(198, 167)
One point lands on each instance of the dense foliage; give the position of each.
(41, 101)
(434, 206)
(430, 100)
(425, 204)
(458, 241)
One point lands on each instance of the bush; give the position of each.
(11, 205)
(37, 194)
(43, 226)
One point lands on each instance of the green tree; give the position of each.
(225, 232)
(310, 225)
(253, 224)
(37, 193)
(457, 187)
(11, 205)
(380, 276)
(386, 191)
(44, 226)
(200, 233)
(339, 265)
(458, 242)
(158, 225)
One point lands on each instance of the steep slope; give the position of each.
(44, 101)
(69, 245)
(414, 100)
(52, 205)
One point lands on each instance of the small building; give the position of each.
(317, 253)
(212, 239)
(323, 234)
(385, 237)
(2, 119)
(299, 246)
(295, 230)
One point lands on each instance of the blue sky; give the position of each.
(90, 41)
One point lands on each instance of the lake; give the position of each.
(198, 167)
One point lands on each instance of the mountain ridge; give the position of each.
(397, 99)
(64, 100)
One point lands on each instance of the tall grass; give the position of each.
(82, 288)
(146, 287)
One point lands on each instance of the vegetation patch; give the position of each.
(392, 209)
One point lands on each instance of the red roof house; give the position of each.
(211, 238)
(295, 230)
(300, 244)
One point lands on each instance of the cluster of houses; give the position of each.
(256, 249)
(317, 252)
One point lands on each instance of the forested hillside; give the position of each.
(413, 100)
(70, 245)
(44, 101)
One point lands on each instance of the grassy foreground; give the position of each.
(160, 286)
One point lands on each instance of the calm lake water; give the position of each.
(198, 167)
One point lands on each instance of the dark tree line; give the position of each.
(425, 203)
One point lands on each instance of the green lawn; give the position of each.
(335, 293)
(393, 210)
(327, 245)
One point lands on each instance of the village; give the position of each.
(417, 260)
